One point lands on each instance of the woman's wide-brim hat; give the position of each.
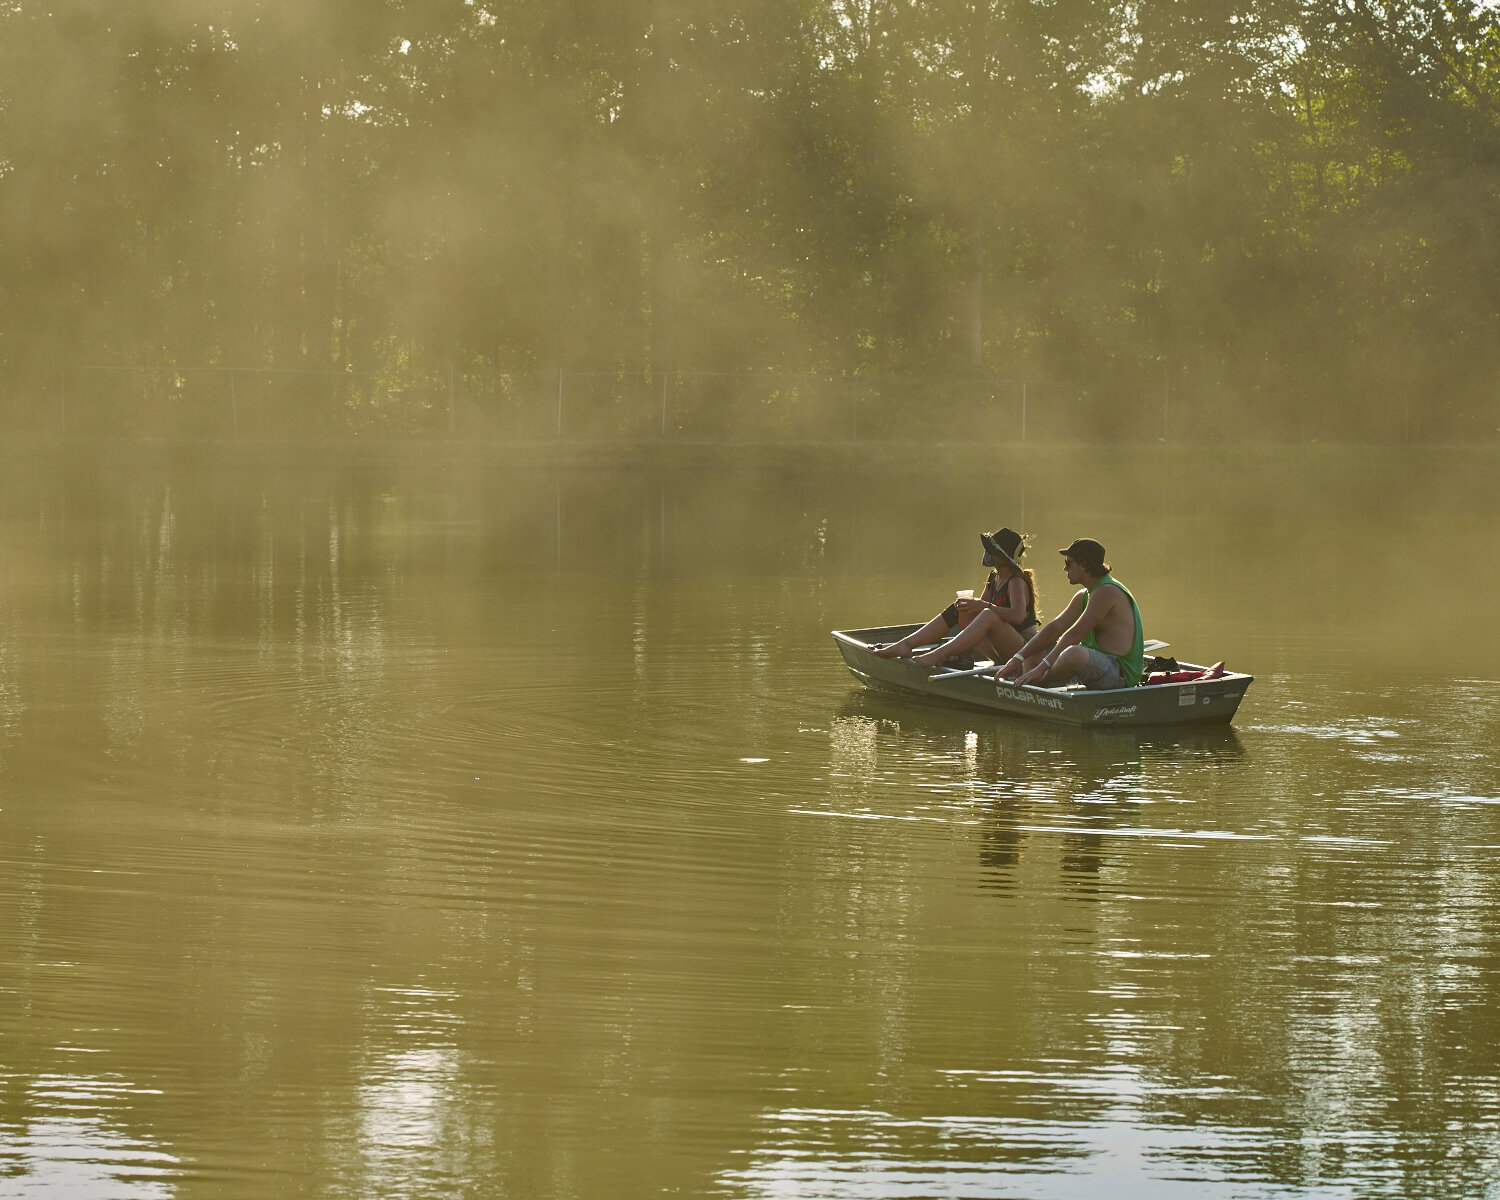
(1004, 544)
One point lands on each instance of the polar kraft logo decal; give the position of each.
(1115, 710)
(1026, 697)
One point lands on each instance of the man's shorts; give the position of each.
(1101, 673)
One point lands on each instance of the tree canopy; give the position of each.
(1274, 208)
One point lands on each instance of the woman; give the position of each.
(998, 623)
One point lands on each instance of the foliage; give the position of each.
(1278, 211)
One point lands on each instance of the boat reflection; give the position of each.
(1072, 792)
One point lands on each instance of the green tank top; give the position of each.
(1133, 664)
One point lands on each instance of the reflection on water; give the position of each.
(377, 831)
(1103, 1135)
(1107, 785)
(71, 1147)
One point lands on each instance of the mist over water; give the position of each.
(382, 828)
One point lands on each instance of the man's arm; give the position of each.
(1098, 607)
(1044, 638)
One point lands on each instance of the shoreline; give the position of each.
(552, 454)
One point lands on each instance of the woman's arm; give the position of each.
(1010, 605)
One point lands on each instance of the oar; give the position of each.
(984, 670)
(1153, 646)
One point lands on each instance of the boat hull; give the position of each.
(1198, 702)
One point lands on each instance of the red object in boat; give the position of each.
(1213, 672)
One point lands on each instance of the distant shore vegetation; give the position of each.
(848, 219)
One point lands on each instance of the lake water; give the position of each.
(385, 829)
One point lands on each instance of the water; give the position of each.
(397, 830)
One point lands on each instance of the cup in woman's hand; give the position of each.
(966, 594)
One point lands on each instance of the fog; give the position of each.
(1265, 220)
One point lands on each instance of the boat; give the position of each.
(1209, 697)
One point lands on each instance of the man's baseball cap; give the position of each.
(1088, 552)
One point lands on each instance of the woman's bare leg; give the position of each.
(929, 633)
(981, 629)
(1002, 641)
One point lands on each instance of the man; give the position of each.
(1097, 639)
